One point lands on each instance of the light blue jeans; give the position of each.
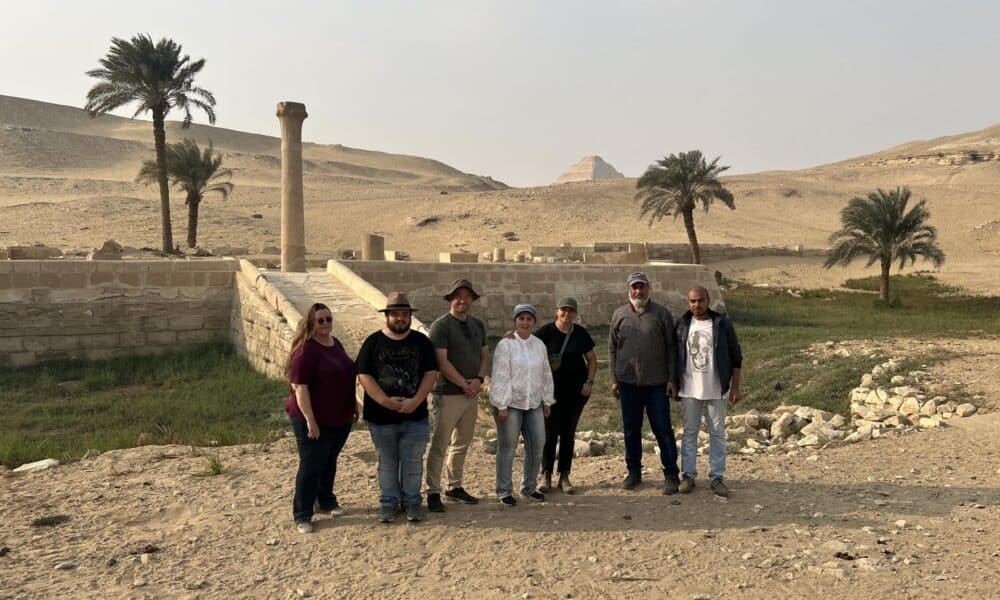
(531, 423)
(714, 412)
(400, 449)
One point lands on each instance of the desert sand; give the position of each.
(67, 180)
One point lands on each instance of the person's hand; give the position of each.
(313, 429)
(508, 335)
(546, 410)
(614, 391)
(735, 395)
(672, 391)
(396, 403)
(586, 390)
(472, 387)
(356, 416)
(502, 415)
(409, 405)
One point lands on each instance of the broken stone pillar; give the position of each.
(373, 247)
(499, 255)
(293, 230)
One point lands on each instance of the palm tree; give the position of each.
(195, 171)
(157, 78)
(878, 228)
(675, 185)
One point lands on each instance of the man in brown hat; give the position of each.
(463, 361)
(397, 368)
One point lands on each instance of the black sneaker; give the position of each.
(434, 503)
(508, 501)
(632, 481)
(460, 495)
(670, 486)
(537, 496)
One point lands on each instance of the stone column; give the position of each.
(499, 255)
(293, 230)
(373, 247)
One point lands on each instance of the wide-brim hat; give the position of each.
(458, 284)
(397, 301)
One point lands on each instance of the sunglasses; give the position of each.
(324, 320)
(465, 330)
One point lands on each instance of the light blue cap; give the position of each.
(520, 308)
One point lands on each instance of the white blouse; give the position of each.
(521, 375)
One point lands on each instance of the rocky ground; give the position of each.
(911, 514)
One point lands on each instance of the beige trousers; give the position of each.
(453, 421)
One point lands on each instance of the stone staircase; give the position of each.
(354, 319)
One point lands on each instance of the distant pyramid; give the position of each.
(590, 168)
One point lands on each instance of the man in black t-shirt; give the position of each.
(397, 368)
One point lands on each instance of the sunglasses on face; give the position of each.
(324, 320)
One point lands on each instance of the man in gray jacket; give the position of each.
(642, 355)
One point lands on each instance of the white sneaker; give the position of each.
(304, 527)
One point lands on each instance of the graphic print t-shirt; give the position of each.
(398, 366)
(700, 380)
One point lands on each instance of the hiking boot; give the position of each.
(434, 503)
(687, 484)
(414, 513)
(632, 481)
(565, 485)
(386, 513)
(508, 502)
(304, 527)
(536, 496)
(460, 495)
(720, 488)
(670, 486)
(546, 485)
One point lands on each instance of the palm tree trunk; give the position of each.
(193, 200)
(160, 141)
(883, 287)
(692, 237)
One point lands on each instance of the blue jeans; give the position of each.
(400, 449)
(531, 423)
(317, 468)
(635, 399)
(715, 421)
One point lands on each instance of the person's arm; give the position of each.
(376, 393)
(411, 404)
(613, 354)
(304, 402)
(736, 359)
(450, 372)
(548, 386)
(500, 380)
(588, 387)
(484, 370)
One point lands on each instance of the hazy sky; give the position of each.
(522, 90)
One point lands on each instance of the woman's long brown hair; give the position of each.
(304, 332)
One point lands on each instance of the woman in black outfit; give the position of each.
(574, 365)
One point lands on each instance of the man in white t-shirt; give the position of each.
(709, 361)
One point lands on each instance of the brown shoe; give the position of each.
(546, 486)
(565, 485)
(720, 488)
(687, 484)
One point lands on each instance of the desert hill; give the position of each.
(67, 180)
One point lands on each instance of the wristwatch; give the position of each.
(589, 382)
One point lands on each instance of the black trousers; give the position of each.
(560, 428)
(317, 468)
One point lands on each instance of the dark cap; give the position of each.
(397, 301)
(567, 302)
(461, 283)
(636, 277)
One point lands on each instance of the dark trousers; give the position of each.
(560, 427)
(317, 468)
(651, 399)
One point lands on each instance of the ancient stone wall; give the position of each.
(599, 289)
(262, 322)
(52, 309)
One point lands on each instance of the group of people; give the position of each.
(422, 391)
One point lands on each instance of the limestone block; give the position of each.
(40, 465)
(860, 394)
(458, 257)
(965, 410)
(909, 406)
(838, 421)
(185, 322)
(392, 255)
(947, 407)
(32, 252)
(930, 422)
(877, 397)
(879, 414)
(895, 402)
(928, 409)
(897, 421)
(97, 255)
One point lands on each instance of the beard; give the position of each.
(397, 327)
(639, 303)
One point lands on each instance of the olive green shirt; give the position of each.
(464, 341)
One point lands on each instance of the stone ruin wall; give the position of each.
(101, 309)
(615, 252)
(599, 289)
(262, 322)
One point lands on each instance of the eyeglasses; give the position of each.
(324, 320)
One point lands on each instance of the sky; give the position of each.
(522, 90)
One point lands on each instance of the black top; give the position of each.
(398, 366)
(572, 371)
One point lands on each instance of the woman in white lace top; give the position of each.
(521, 392)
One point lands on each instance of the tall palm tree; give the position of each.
(195, 171)
(878, 228)
(676, 184)
(157, 78)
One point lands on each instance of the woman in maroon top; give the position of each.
(322, 409)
